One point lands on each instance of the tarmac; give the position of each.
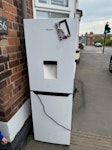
(92, 107)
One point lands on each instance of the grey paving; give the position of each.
(92, 109)
(96, 114)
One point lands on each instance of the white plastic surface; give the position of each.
(59, 108)
(43, 44)
(50, 71)
(11, 128)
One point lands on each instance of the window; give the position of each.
(63, 3)
(46, 15)
(54, 8)
(43, 1)
(60, 2)
(42, 15)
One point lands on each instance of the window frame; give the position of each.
(50, 4)
(50, 11)
(54, 8)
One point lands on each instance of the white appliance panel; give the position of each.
(50, 61)
(59, 108)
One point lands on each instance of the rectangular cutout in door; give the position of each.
(50, 69)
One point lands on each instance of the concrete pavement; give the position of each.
(92, 109)
(95, 116)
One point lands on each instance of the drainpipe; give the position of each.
(24, 7)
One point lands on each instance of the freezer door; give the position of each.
(50, 59)
(52, 118)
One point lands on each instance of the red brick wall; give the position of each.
(14, 86)
(29, 9)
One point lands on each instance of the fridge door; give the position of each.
(50, 60)
(52, 116)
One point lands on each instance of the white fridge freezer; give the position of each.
(52, 117)
(51, 67)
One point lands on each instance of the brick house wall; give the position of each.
(14, 86)
(89, 38)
